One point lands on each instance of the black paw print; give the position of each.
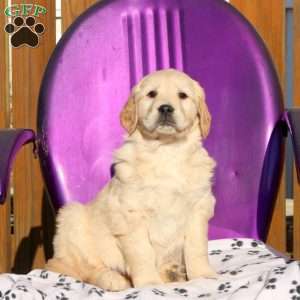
(24, 32)
(245, 286)
(279, 270)
(62, 296)
(22, 288)
(215, 252)
(271, 284)
(235, 272)
(253, 252)
(237, 244)
(295, 291)
(260, 278)
(97, 291)
(232, 273)
(227, 257)
(224, 287)
(182, 292)
(62, 283)
(255, 243)
(264, 255)
(204, 295)
(9, 295)
(43, 295)
(44, 274)
(158, 292)
(132, 295)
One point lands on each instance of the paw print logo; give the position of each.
(24, 31)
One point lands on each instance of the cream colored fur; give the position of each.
(149, 223)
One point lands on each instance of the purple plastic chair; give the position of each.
(111, 47)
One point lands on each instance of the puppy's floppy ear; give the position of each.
(129, 114)
(203, 113)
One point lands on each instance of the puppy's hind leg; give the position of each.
(59, 266)
(102, 277)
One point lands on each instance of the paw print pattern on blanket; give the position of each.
(251, 271)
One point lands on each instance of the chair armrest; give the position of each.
(11, 140)
(292, 118)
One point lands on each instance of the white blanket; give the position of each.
(247, 268)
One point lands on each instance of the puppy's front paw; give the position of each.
(111, 280)
(203, 272)
(146, 280)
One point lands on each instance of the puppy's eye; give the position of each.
(152, 94)
(182, 95)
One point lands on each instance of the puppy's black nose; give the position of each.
(165, 109)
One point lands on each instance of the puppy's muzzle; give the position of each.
(166, 115)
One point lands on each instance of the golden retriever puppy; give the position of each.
(149, 223)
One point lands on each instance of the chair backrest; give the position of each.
(110, 47)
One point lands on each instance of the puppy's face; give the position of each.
(166, 104)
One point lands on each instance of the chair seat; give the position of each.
(248, 270)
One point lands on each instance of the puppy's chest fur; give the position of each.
(165, 184)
